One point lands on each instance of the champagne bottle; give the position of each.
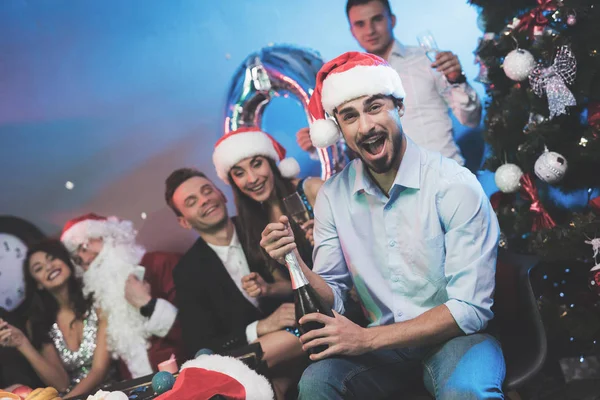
(306, 299)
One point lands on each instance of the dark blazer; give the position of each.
(213, 312)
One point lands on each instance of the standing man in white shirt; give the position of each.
(416, 236)
(215, 310)
(431, 88)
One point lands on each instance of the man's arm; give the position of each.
(330, 277)
(198, 326)
(460, 97)
(161, 312)
(471, 242)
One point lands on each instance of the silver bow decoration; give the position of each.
(553, 80)
(271, 72)
(595, 246)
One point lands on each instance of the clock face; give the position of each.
(12, 283)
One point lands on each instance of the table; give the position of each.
(141, 388)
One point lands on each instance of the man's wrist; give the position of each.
(268, 290)
(147, 309)
(462, 78)
(370, 339)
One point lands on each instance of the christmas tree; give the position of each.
(540, 63)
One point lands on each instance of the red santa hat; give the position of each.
(89, 226)
(248, 142)
(210, 375)
(348, 77)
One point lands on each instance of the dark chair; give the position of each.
(517, 321)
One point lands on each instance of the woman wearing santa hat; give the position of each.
(255, 166)
(66, 341)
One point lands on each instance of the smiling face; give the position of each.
(372, 129)
(254, 177)
(49, 272)
(85, 254)
(371, 25)
(201, 204)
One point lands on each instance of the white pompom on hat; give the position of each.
(348, 77)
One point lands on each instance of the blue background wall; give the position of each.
(113, 95)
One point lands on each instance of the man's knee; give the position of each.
(317, 382)
(469, 389)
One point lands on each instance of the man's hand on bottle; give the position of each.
(255, 285)
(283, 317)
(278, 239)
(342, 336)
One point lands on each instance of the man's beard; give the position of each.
(105, 279)
(383, 164)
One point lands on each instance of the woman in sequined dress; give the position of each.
(66, 337)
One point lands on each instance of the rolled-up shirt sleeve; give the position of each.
(471, 241)
(328, 257)
(462, 99)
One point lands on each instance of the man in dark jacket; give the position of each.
(215, 310)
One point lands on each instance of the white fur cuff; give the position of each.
(162, 319)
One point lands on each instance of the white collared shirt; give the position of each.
(433, 241)
(236, 264)
(426, 120)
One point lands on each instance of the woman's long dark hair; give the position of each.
(253, 217)
(43, 307)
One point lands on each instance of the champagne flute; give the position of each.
(428, 43)
(296, 209)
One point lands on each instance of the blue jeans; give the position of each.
(466, 367)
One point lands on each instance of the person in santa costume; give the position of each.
(414, 233)
(134, 289)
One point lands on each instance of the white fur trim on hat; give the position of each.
(359, 81)
(257, 386)
(289, 167)
(120, 231)
(239, 146)
(324, 133)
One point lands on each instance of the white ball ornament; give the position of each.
(518, 64)
(550, 167)
(507, 178)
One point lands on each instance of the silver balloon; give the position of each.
(271, 72)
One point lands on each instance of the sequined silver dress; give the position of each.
(77, 363)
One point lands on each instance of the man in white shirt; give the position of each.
(213, 280)
(431, 88)
(416, 236)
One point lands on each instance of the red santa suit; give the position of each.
(140, 342)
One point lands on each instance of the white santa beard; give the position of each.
(105, 279)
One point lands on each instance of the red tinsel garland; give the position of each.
(535, 21)
(595, 204)
(594, 114)
(541, 218)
